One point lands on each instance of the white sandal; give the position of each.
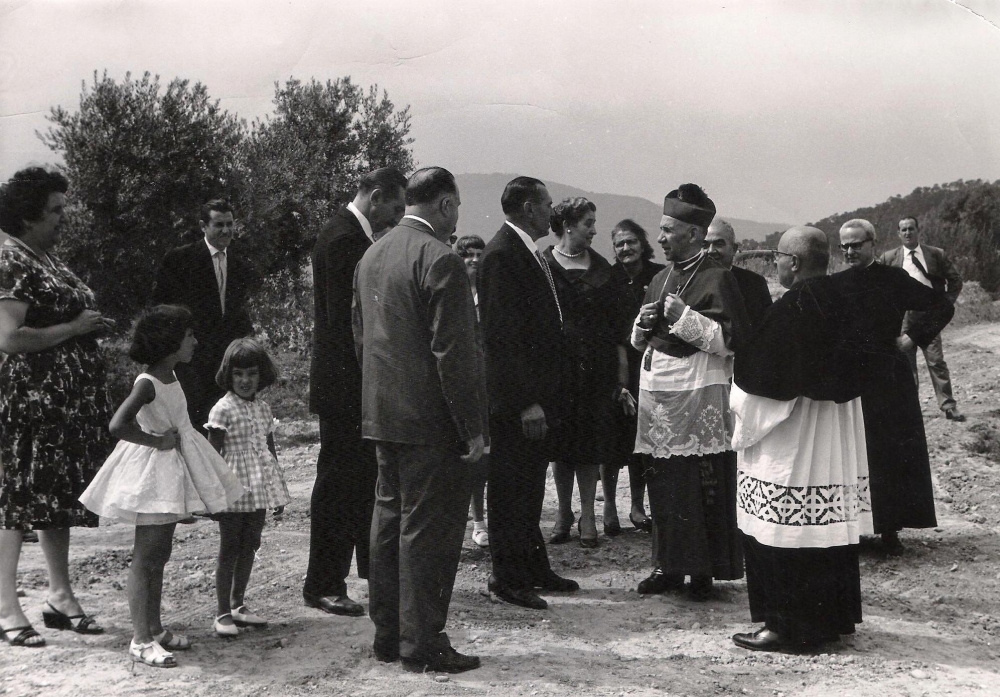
(244, 618)
(151, 654)
(226, 631)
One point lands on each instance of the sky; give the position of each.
(783, 110)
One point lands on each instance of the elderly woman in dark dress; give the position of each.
(54, 407)
(583, 282)
(631, 273)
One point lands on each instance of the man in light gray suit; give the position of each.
(423, 402)
(930, 266)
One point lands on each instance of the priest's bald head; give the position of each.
(803, 252)
(687, 213)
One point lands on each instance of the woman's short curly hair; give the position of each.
(570, 211)
(25, 195)
(467, 242)
(246, 353)
(158, 332)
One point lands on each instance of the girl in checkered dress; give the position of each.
(241, 428)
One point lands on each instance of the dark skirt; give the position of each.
(805, 595)
(692, 501)
(898, 464)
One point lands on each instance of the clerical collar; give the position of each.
(688, 263)
(365, 225)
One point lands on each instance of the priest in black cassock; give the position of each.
(692, 320)
(802, 464)
(901, 488)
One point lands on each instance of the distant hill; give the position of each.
(962, 217)
(481, 215)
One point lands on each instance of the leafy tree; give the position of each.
(306, 160)
(141, 160)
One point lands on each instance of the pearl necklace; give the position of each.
(569, 256)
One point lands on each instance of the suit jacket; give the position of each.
(526, 350)
(187, 277)
(415, 324)
(941, 272)
(334, 374)
(756, 294)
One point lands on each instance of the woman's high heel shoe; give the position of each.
(81, 624)
(644, 524)
(559, 537)
(586, 542)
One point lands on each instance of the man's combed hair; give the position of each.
(568, 212)
(427, 185)
(158, 332)
(246, 353)
(219, 205)
(861, 224)
(469, 242)
(519, 191)
(388, 179)
(629, 225)
(916, 223)
(25, 195)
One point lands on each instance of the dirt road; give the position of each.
(931, 627)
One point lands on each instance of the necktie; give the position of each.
(916, 262)
(552, 282)
(220, 277)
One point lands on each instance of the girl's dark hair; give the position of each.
(570, 211)
(629, 225)
(25, 195)
(467, 242)
(246, 353)
(158, 332)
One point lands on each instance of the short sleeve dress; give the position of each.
(54, 404)
(247, 425)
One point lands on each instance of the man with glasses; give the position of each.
(931, 267)
(879, 297)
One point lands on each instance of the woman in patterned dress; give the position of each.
(54, 407)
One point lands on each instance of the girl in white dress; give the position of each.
(241, 428)
(161, 472)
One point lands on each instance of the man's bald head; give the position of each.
(720, 242)
(803, 252)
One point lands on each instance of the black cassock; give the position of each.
(879, 297)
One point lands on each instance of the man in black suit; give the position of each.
(720, 244)
(424, 407)
(213, 282)
(931, 267)
(521, 322)
(344, 492)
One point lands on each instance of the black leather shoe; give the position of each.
(447, 661)
(954, 415)
(644, 524)
(386, 654)
(761, 640)
(339, 605)
(659, 582)
(613, 529)
(555, 583)
(516, 596)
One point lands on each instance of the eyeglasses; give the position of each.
(856, 246)
(782, 254)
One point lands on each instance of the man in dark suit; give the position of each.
(929, 266)
(344, 492)
(422, 404)
(213, 282)
(521, 322)
(720, 244)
